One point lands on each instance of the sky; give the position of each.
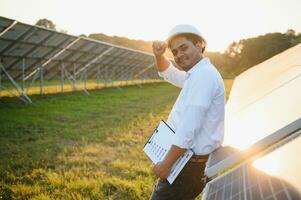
(220, 21)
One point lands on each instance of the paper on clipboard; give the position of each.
(158, 146)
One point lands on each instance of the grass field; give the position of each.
(72, 146)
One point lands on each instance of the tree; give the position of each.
(234, 49)
(46, 23)
(291, 32)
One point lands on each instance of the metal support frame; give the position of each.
(83, 69)
(22, 96)
(110, 73)
(84, 55)
(116, 86)
(134, 71)
(131, 67)
(32, 81)
(97, 76)
(34, 48)
(23, 74)
(121, 64)
(94, 60)
(107, 74)
(21, 37)
(8, 28)
(124, 71)
(85, 78)
(23, 87)
(62, 76)
(120, 70)
(144, 70)
(53, 57)
(127, 70)
(106, 79)
(72, 80)
(102, 74)
(41, 80)
(74, 77)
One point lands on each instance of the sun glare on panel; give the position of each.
(238, 132)
(282, 163)
(269, 164)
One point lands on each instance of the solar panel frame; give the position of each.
(223, 158)
(38, 51)
(213, 167)
(244, 190)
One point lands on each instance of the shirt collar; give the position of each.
(203, 61)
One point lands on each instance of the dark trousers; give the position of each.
(187, 186)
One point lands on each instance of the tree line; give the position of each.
(238, 57)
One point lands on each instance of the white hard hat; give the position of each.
(183, 29)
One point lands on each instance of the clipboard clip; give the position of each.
(150, 139)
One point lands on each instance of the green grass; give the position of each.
(77, 147)
(73, 146)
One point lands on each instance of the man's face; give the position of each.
(185, 52)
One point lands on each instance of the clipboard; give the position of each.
(158, 145)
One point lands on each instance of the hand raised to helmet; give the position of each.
(159, 48)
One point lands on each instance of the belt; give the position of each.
(199, 158)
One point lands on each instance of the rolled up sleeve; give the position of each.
(190, 125)
(173, 75)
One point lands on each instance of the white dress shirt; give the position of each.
(197, 116)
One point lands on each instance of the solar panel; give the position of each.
(25, 49)
(264, 107)
(274, 176)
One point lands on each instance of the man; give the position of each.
(197, 116)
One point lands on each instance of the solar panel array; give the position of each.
(27, 50)
(263, 107)
(263, 118)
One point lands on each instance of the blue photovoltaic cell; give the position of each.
(246, 182)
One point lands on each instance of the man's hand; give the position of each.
(159, 48)
(162, 170)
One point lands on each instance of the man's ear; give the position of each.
(200, 45)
